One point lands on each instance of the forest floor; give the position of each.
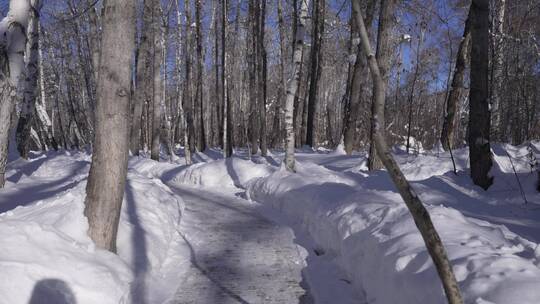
(244, 230)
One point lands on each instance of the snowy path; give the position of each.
(237, 255)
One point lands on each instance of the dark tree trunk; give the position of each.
(316, 69)
(201, 135)
(144, 67)
(479, 115)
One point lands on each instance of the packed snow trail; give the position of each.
(237, 256)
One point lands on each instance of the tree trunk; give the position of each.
(412, 200)
(188, 98)
(385, 50)
(227, 119)
(497, 79)
(11, 68)
(262, 75)
(144, 68)
(107, 178)
(157, 102)
(456, 92)
(30, 81)
(201, 139)
(315, 74)
(479, 118)
(277, 134)
(293, 85)
(359, 73)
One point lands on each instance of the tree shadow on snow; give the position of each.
(22, 195)
(140, 258)
(52, 291)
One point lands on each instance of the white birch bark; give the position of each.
(498, 61)
(293, 85)
(12, 47)
(30, 81)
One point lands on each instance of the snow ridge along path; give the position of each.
(237, 255)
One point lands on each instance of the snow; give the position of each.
(361, 220)
(187, 233)
(45, 248)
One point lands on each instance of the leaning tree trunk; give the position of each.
(30, 81)
(384, 59)
(412, 200)
(293, 84)
(13, 28)
(479, 118)
(449, 123)
(107, 178)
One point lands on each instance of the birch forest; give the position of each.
(192, 149)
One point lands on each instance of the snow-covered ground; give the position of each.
(352, 237)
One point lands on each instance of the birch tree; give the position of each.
(292, 88)
(497, 78)
(107, 178)
(30, 81)
(12, 47)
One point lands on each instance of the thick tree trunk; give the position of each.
(359, 73)
(157, 102)
(30, 81)
(201, 135)
(292, 88)
(107, 178)
(277, 133)
(13, 27)
(144, 68)
(418, 211)
(456, 91)
(479, 118)
(385, 50)
(316, 69)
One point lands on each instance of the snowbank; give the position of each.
(46, 253)
(361, 220)
(228, 173)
